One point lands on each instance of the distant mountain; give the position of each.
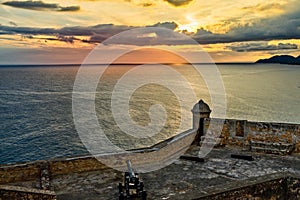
(282, 59)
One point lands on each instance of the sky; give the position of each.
(65, 32)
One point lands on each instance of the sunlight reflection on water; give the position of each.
(36, 105)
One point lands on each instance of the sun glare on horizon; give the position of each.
(190, 27)
(151, 55)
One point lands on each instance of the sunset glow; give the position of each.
(190, 27)
(52, 31)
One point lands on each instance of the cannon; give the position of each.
(132, 188)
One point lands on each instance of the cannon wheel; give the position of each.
(144, 195)
(120, 188)
(121, 196)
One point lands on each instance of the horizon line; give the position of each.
(92, 64)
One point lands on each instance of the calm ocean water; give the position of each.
(36, 119)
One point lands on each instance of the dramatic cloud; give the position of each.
(281, 27)
(97, 33)
(260, 46)
(264, 7)
(151, 36)
(13, 23)
(40, 5)
(69, 8)
(101, 32)
(67, 39)
(105, 29)
(178, 2)
(168, 25)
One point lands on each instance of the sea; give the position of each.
(36, 110)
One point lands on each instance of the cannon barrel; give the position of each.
(130, 170)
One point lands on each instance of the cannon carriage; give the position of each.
(133, 187)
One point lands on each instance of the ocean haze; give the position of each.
(36, 105)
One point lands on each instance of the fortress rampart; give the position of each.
(284, 137)
(33, 180)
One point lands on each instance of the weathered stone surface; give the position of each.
(72, 165)
(19, 172)
(241, 132)
(32, 171)
(186, 179)
(21, 193)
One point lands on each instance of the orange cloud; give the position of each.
(150, 55)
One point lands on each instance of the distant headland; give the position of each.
(281, 59)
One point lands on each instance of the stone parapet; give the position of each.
(33, 171)
(267, 137)
(19, 193)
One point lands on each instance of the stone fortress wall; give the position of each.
(32, 180)
(22, 193)
(32, 171)
(267, 137)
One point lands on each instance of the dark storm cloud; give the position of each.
(97, 33)
(67, 39)
(101, 32)
(40, 5)
(249, 47)
(26, 30)
(69, 8)
(277, 28)
(13, 23)
(150, 36)
(168, 25)
(105, 29)
(178, 2)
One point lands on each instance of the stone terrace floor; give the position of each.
(183, 179)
